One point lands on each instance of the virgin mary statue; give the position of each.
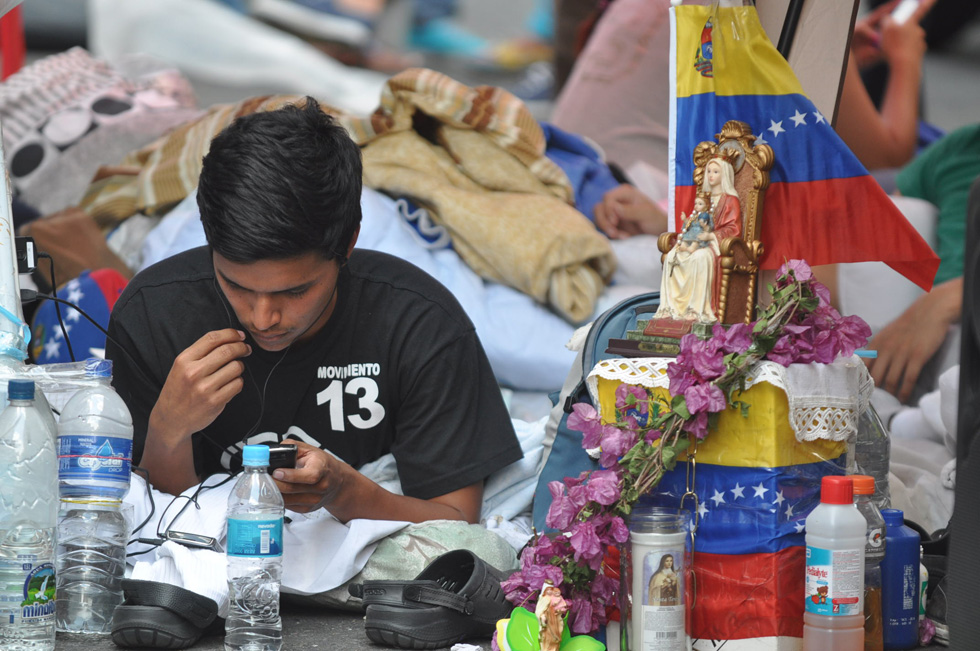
(691, 280)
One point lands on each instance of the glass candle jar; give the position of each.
(655, 581)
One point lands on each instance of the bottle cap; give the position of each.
(863, 484)
(893, 517)
(255, 455)
(835, 489)
(20, 389)
(95, 367)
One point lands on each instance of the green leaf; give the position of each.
(679, 407)
(583, 643)
(669, 456)
(522, 631)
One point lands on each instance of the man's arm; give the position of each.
(202, 380)
(907, 343)
(322, 481)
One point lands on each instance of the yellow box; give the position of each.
(763, 439)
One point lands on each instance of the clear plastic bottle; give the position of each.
(29, 495)
(833, 619)
(254, 549)
(900, 583)
(95, 440)
(874, 553)
(872, 454)
(91, 566)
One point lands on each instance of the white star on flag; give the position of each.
(718, 498)
(75, 295)
(60, 333)
(760, 490)
(52, 348)
(799, 118)
(789, 511)
(779, 499)
(800, 527)
(702, 510)
(738, 491)
(776, 128)
(819, 116)
(759, 140)
(72, 314)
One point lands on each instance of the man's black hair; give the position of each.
(281, 183)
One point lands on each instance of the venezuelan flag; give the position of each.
(822, 205)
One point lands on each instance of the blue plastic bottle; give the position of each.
(900, 583)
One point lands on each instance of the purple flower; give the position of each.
(584, 418)
(640, 397)
(707, 357)
(853, 333)
(698, 426)
(617, 530)
(603, 487)
(704, 397)
(579, 495)
(562, 510)
(604, 588)
(585, 544)
(538, 574)
(800, 269)
(680, 380)
(581, 617)
(616, 445)
(826, 347)
(653, 435)
(736, 339)
(783, 352)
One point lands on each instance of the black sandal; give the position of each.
(162, 616)
(456, 597)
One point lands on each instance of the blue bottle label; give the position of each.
(105, 458)
(254, 537)
(834, 581)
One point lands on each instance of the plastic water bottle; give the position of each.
(29, 501)
(91, 566)
(254, 549)
(872, 454)
(874, 553)
(95, 440)
(900, 583)
(833, 619)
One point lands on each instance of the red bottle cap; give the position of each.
(836, 490)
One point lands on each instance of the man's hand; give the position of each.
(202, 380)
(314, 483)
(907, 343)
(625, 211)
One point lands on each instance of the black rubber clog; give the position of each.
(457, 597)
(162, 616)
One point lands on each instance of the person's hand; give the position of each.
(907, 343)
(625, 211)
(877, 36)
(202, 380)
(315, 481)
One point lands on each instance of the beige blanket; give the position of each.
(474, 157)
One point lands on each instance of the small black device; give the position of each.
(26, 254)
(282, 455)
(193, 540)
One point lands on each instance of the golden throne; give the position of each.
(739, 255)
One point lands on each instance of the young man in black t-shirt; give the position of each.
(280, 329)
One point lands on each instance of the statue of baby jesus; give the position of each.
(698, 222)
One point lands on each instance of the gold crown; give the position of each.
(729, 155)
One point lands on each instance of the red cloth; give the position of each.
(749, 595)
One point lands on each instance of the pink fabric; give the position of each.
(619, 91)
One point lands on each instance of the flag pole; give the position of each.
(788, 33)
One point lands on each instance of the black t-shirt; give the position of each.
(398, 368)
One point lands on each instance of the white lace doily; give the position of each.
(825, 400)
